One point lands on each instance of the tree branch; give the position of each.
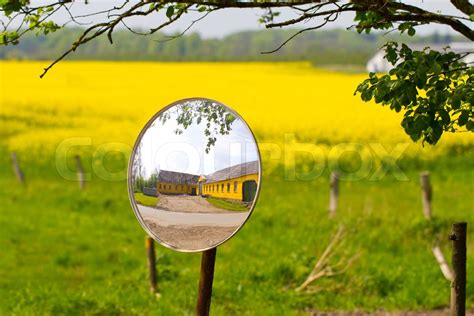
(322, 268)
(464, 6)
(417, 14)
(390, 11)
(454, 24)
(443, 265)
(251, 4)
(307, 16)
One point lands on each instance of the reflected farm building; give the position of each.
(171, 182)
(238, 182)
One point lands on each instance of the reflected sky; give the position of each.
(162, 148)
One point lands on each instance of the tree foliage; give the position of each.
(436, 99)
(215, 117)
(434, 89)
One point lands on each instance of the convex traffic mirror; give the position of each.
(194, 175)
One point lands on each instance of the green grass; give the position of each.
(226, 205)
(71, 252)
(145, 199)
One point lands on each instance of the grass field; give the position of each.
(67, 251)
(146, 200)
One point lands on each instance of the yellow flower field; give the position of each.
(109, 102)
(67, 250)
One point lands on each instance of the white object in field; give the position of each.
(379, 64)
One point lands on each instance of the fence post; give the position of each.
(150, 251)
(458, 286)
(426, 194)
(334, 193)
(16, 168)
(80, 172)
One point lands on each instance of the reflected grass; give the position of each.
(227, 205)
(146, 200)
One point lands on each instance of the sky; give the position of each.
(221, 23)
(163, 149)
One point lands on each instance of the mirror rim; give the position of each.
(131, 196)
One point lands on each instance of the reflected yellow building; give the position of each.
(171, 182)
(238, 182)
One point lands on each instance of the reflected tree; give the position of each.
(216, 118)
(137, 170)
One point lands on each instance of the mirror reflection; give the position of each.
(194, 175)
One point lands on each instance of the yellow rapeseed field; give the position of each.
(290, 106)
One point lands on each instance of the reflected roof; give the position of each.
(231, 172)
(235, 171)
(177, 177)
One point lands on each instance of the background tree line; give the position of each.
(322, 47)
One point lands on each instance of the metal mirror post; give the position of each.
(205, 282)
(193, 180)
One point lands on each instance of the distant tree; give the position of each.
(138, 184)
(436, 38)
(436, 99)
(448, 38)
(137, 170)
(325, 47)
(152, 180)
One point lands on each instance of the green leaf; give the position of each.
(170, 11)
(445, 118)
(366, 96)
(436, 68)
(411, 31)
(436, 135)
(463, 118)
(470, 126)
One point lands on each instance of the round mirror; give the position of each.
(194, 175)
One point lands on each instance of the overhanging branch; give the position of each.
(168, 12)
(252, 4)
(464, 6)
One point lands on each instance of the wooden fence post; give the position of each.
(334, 194)
(458, 286)
(426, 194)
(16, 168)
(208, 261)
(80, 172)
(150, 251)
